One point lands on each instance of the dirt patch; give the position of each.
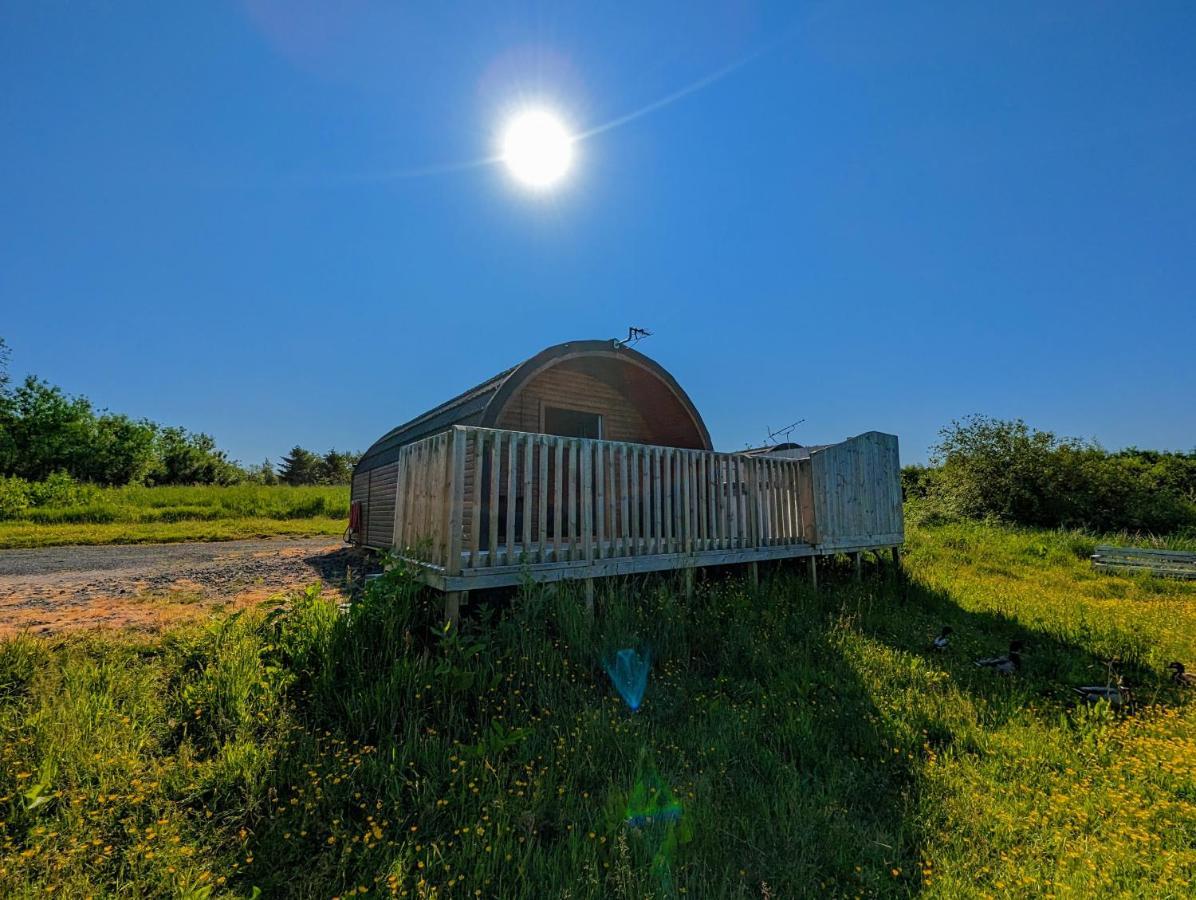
(152, 585)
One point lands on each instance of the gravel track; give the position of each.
(54, 588)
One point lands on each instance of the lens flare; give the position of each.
(652, 803)
(628, 672)
(656, 821)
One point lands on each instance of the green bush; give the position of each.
(14, 497)
(1006, 471)
(59, 489)
(25, 499)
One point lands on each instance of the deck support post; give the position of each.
(858, 561)
(899, 574)
(590, 596)
(452, 606)
(689, 584)
(814, 572)
(754, 574)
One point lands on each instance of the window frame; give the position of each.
(545, 407)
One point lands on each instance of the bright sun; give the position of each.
(537, 148)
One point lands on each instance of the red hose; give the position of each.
(354, 529)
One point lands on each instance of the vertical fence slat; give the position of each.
(512, 487)
(666, 500)
(542, 506)
(687, 535)
(624, 503)
(635, 500)
(407, 470)
(754, 499)
(587, 499)
(764, 491)
(445, 477)
(420, 528)
(572, 487)
(495, 470)
(612, 503)
(599, 499)
(558, 508)
(401, 503)
(733, 500)
(652, 501)
(475, 510)
(457, 513)
(657, 504)
(784, 522)
(794, 508)
(429, 535)
(749, 471)
(430, 505)
(791, 511)
(711, 529)
(686, 497)
(526, 505)
(740, 504)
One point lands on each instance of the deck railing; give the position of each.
(482, 499)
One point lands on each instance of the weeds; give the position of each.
(790, 743)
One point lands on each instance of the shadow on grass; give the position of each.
(501, 758)
(905, 614)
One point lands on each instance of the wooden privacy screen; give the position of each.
(477, 498)
(857, 492)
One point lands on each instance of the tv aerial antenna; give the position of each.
(783, 432)
(634, 336)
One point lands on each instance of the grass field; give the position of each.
(198, 513)
(790, 743)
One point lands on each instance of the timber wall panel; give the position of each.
(856, 489)
(380, 511)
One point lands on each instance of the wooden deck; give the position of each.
(477, 507)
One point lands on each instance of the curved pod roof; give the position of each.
(484, 404)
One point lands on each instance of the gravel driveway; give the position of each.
(147, 585)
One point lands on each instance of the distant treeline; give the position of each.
(45, 433)
(984, 468)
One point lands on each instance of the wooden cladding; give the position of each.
(857, 491)
(476, 498)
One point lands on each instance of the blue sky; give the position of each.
(890, 216)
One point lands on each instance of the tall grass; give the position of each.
(200, 512)
(196, 503)
(807, 743)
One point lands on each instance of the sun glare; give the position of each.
(537, 148)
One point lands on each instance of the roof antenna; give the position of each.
(634, 336)
(782, 432)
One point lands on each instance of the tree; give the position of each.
(262, 474)
(187, 458)
(7, 449)
(337, 467)
(121, 451)
(5, 356)
(46, 431)
(300, 467)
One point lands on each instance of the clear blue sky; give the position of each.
(892, 215)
